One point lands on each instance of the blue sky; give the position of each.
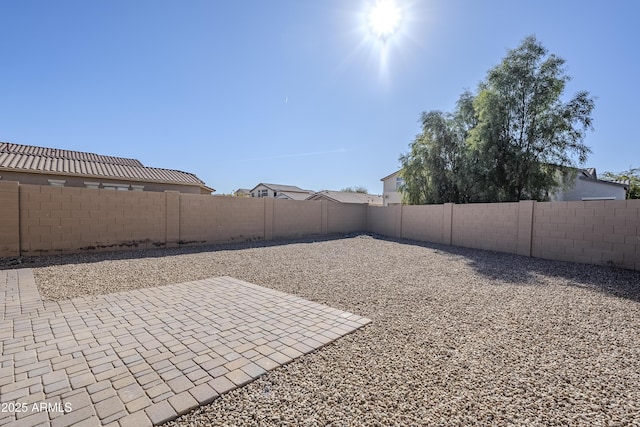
(290, 92)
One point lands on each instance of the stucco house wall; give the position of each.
(585, 188)
(96, 182)
(390, 193)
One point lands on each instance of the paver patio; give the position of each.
(146, 356)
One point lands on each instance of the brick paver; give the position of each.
(145, 356)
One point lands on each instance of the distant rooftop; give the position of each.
(280, 187)
(347, 197)
(28, 158)
(591, 174)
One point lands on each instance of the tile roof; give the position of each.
(293, 195)
(348, 197)
(29, 158)
(280, 187)
(66, 154)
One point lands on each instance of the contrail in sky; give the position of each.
(313, 153)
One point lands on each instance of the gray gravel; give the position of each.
(459, 336)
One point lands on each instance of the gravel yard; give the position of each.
(459, 336)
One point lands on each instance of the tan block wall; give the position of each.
(9, 219)
(172, 218)
(424, 223)
(482, 226)
(344, 217)
(525, 225)
(61, 219)
(447, 223)
(37, 220)
(593, 232)
(296, 218)
(208, 219)
(385, 220)
(491, 226)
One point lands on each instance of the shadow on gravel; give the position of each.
(87, 258)
(517, 269)
(496, 266)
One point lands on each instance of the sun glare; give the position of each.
(384, 18)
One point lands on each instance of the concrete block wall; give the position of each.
(61, 219)
(227, 219)
(344, 217)
(385, 220)
(296, 218)
(9, 219)
(594, 232)
(424, 223)
(491, 226)
(37, 220)
(207, 219)
(172, 218)
(524, 227)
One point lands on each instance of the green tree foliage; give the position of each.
(356, 189)
(632, 176)
(513, 140)
(433, 170)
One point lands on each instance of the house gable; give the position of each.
(279, 191)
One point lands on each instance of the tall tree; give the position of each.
(415, 173)
(526, 134)
(513, 140)
(433, 169)
(632, 176)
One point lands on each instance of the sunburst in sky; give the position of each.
(384, 19)
(384, 28)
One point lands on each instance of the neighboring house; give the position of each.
(390, 185)
(277, 191)
(242, 192)
(347, 197)
(587, 186)
(65, 168)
